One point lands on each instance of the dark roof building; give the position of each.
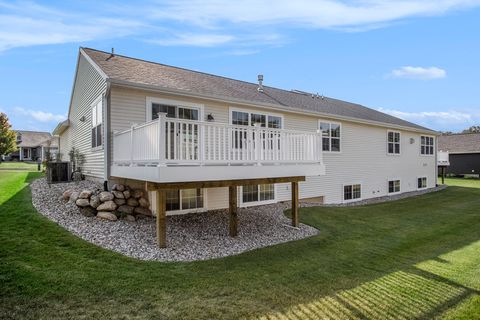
(464, 150)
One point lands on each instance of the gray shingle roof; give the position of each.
(142, 72)
(32, 139)
(460, 143)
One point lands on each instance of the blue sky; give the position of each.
(418, 60)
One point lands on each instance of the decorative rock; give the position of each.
(74, 196)
(118, 194)
(119, 202)
(85, 194)
(130, 218)
(66, 195)
(107, 215)
(82, 202)
(137, 193)
(143, 211)
(125, 209)
(88, 211)
(144, 202)
(106, 196)
(118, 187)
(95, 201)
(132, 202)
(107, 206)
(126, 194)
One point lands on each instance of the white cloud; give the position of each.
(306, 13)
(191, 39)
(441, 120)
(39, 115)
(27, 24)
(205, 23)
(418, 73)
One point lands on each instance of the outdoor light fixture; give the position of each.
(210, 117)
(83, 119)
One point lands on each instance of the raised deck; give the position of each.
(177, 150)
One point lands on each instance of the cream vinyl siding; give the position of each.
(89, 86)
(363, 157)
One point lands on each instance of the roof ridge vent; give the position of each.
(260, 83)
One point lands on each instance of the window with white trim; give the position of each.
(174, 111)
(393, 142)
(352, 192)
(97, 117)
(393, 186)
(331, 135)
(422, 183)
(259, 192)
(245, 118)
(184, 199)
(426, 145)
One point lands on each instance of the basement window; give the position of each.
(258, 193)
(393, 186)
(352, 192)
(185, 199)
(422, 183)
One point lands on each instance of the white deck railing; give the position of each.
(443, 158)
(169, 141)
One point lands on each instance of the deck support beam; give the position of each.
(161, 219)
(295, 204)
(232, 205)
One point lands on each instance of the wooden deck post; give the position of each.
(161, 219)
(295, 203)
(232, 204)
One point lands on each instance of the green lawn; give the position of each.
(462, 182)
(29, 166)
(413, 258)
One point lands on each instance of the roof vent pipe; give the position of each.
(260, 83)
(113, 52)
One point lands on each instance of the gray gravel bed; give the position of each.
(190, 237)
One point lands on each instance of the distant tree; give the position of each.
(8, 137)
(446, 133)
(472, 129)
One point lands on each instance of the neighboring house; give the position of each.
(33, 145)
(192, 129)
(464, 152)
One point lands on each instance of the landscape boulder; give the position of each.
(82, 202)
(66, 194)
(125, 209)
(85, 194)
(106, 215)
(105, 196)
(130, 218)
(118, 187)
(126, 194)
(95, 201)
(137, 193)
(143, 211)
(74, 196)
(143, 202)
(118, 194)
(119, 202)
(132, 202)
(107, 206)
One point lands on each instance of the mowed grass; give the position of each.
(12, 165)
(413, 258)
(463, 182)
